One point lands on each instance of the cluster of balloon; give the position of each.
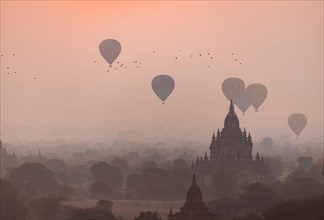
(254, 94)
(297, 122)
(163, 86)
(234, 89)
(110, 50)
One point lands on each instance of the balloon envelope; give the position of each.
(297, 122)
(243, 102)
(163, 86)
(110, 49)
(233, 88)
(257, 93)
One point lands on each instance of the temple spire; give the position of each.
(205, 157)
(194, 180)
(231, 108)
(213, 137)
(249, 138)
(218, 133)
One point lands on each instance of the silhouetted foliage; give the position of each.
(101, 171)
(149, 164)
(55, 165)
(134, 180)
(308, 209)
(102, 211)
(10, 207)
(33, 178)
(302, 187)
(148, 216)
(257, 198)
(180, 164)
(120, 162)
(45, 207)
(101, 188)
(248, 216)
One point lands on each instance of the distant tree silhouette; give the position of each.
(10, 206)
(45, 207)
(120, 162)
(149, 164)
(55, 165)
(33, 178)
(180, 164)
(102, 211)
(101, 188)
(257, 198)
(148, 216)
(307, 209)
(302, 187)
(305, 162)
(101, 171)
(105, 204)
(134, 180)
(248, 216)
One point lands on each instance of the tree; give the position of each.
(310, 209)
(134, 180)
(101, 171)
(149, 164)
(55, 165)
(45, 207)
(180, 164)
(10, 207)
(257, 198)
(148, 216)
(104, 204)
(102, 211)
(101, 188)
(305, 162)
(302, 187)
(120, 162)
(33, 178)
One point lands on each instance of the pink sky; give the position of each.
(279, 43)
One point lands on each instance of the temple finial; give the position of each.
(194, 180)
(231, 108)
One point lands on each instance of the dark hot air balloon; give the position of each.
(110, 50)
(163, 86)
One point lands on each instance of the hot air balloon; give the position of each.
(297, 122)
(110, 49)
(243, 102)
(163, 86)
(257, 93)
(233, 88)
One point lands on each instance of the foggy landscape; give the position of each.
(166, 110)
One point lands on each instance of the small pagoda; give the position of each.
(194, 208)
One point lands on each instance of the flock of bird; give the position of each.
(8, 67)
(137, 64)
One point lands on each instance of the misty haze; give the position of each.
(166, 110)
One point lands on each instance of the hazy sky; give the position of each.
(280, 45)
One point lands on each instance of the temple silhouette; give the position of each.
(194, 207)
(231, 149)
